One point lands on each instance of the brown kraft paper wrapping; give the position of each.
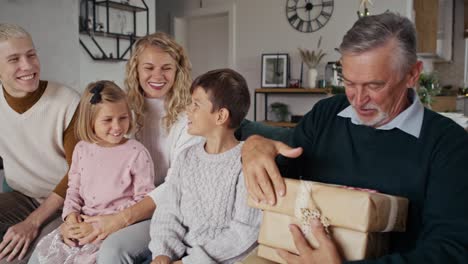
(353, 245)
(348, 208)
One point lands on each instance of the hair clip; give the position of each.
(96, 91)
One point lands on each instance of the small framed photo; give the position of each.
(275, 70)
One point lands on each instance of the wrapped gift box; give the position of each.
(353, 245)
(270, 253)
(360, 210)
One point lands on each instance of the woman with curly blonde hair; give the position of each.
(158, 85)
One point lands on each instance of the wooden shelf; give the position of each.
(121, 6)
(266, 91)
(294, 90)
(279, 124)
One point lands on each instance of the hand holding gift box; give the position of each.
(352, 208)
(355, 217)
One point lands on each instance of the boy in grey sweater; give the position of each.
(202, 214)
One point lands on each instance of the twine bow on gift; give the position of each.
(307, 214)
(306, 209)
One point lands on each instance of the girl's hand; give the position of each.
(73, 218)
(82, 230)
(161, 259)
(104, 225)
(66, 232)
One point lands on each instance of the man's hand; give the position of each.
(104, 225)
(325, 253)
(262, 177)
(17, 239)
(161, 259)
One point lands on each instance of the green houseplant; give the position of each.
(280, 111)
(428, 88)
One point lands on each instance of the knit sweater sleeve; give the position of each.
(444, 236)
(73, 201)
(143, 175)
(167, 231)
(235, 240)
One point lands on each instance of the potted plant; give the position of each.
(280, 111)
(312, 59)
(428, 88)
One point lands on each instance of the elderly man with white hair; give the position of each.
(379, 136)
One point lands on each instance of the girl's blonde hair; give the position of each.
(90, 102)
(178, 97)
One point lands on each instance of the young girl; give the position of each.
(202, 214)
(158, 85)
(108, 173)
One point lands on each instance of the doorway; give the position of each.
(208, 36)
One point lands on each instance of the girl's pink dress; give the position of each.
(101, 181)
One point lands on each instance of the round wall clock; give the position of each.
(308, 15)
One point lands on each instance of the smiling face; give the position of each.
(156, 72)
(19, 66)
(201, 118)
(111, 123)
(374, 87)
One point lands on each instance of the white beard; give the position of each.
(381, 115)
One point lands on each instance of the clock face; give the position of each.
(308, 15)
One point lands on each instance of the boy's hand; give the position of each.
(161, 259)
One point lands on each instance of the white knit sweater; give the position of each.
(31, 143)
(202, 214)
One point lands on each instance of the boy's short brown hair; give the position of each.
(226, 88)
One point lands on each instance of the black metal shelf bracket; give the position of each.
(88, 25)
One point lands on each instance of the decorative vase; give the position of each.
(312, 77)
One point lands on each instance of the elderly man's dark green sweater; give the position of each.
(431, 171)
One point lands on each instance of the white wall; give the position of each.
(91, 70)
(262, 27)
(53, 25)
(209, 32)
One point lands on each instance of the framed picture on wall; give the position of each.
(275, 70)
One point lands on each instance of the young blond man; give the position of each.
(36, 143)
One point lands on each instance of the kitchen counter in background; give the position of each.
(450, 104)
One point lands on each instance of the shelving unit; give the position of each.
(89, 27)
(267, 91)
